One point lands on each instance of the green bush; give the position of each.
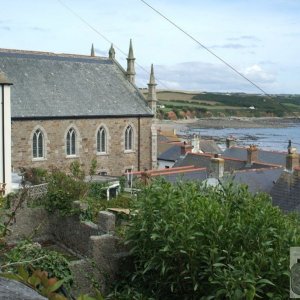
(95, 205)
(97, 190)
(194, 242)
(38, 258)
(63, 190)
(34, 175)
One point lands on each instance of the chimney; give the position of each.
(230, 142)
(252, 154)
(217, 166)
(292, 158)
(195, 141)
(185, 148)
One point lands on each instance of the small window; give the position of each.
(101, 140)
(71, 142)
(129, 138)
(38, 144)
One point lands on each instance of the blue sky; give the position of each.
(260, 38)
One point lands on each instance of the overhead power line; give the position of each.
(104, 37)
(217, 56)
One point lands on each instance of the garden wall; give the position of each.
(99, 250)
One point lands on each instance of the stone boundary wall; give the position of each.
(101, 252)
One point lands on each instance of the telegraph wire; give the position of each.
(218, 57)
(105, 38)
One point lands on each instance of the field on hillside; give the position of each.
(204, 104)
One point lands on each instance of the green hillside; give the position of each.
(205, 104)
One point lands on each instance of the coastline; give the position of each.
(229, 122)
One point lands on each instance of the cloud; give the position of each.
(101, 52)
(245, 37)
(36, 28)
(7, 28)
(207, 77)
(232, 46)
(256, 73)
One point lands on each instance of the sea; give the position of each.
(265, 138)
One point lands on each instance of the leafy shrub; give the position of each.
(76, 170)
(63, 190)
(95, 205)
(34, 175)
(39, 258)
(97, 190)
(191, 242)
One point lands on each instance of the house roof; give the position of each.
(258, 180)
(189, 173)
(209, 146)
(48, 85)
(204, 160)
(193, 159)
(231, 164)
(193, 175)
(286, 191)
(162, 147)
(271, 157)
(171, 154)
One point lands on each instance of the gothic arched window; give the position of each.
(129, 138)
(38, 144)
(101, 140)
(71, 142)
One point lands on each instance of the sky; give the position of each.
(259, 38)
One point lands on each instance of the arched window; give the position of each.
(71, 142)
(38, 144)
(129, 138)
(101, 140)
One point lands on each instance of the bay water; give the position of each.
(265, 138)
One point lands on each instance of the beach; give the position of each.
(228, 122)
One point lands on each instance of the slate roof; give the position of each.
(202, 160)
(271, 157)
(171, 154)
(49, 85)
(210, 146)
(190, 175)
(193, 159)
(162, 147)
(258, 180)
(286, 191)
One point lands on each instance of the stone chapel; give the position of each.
(67, 107)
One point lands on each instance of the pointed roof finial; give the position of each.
(130, 73)
(92, 51)
(111, 52)
(152, 78)
(130, 53)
